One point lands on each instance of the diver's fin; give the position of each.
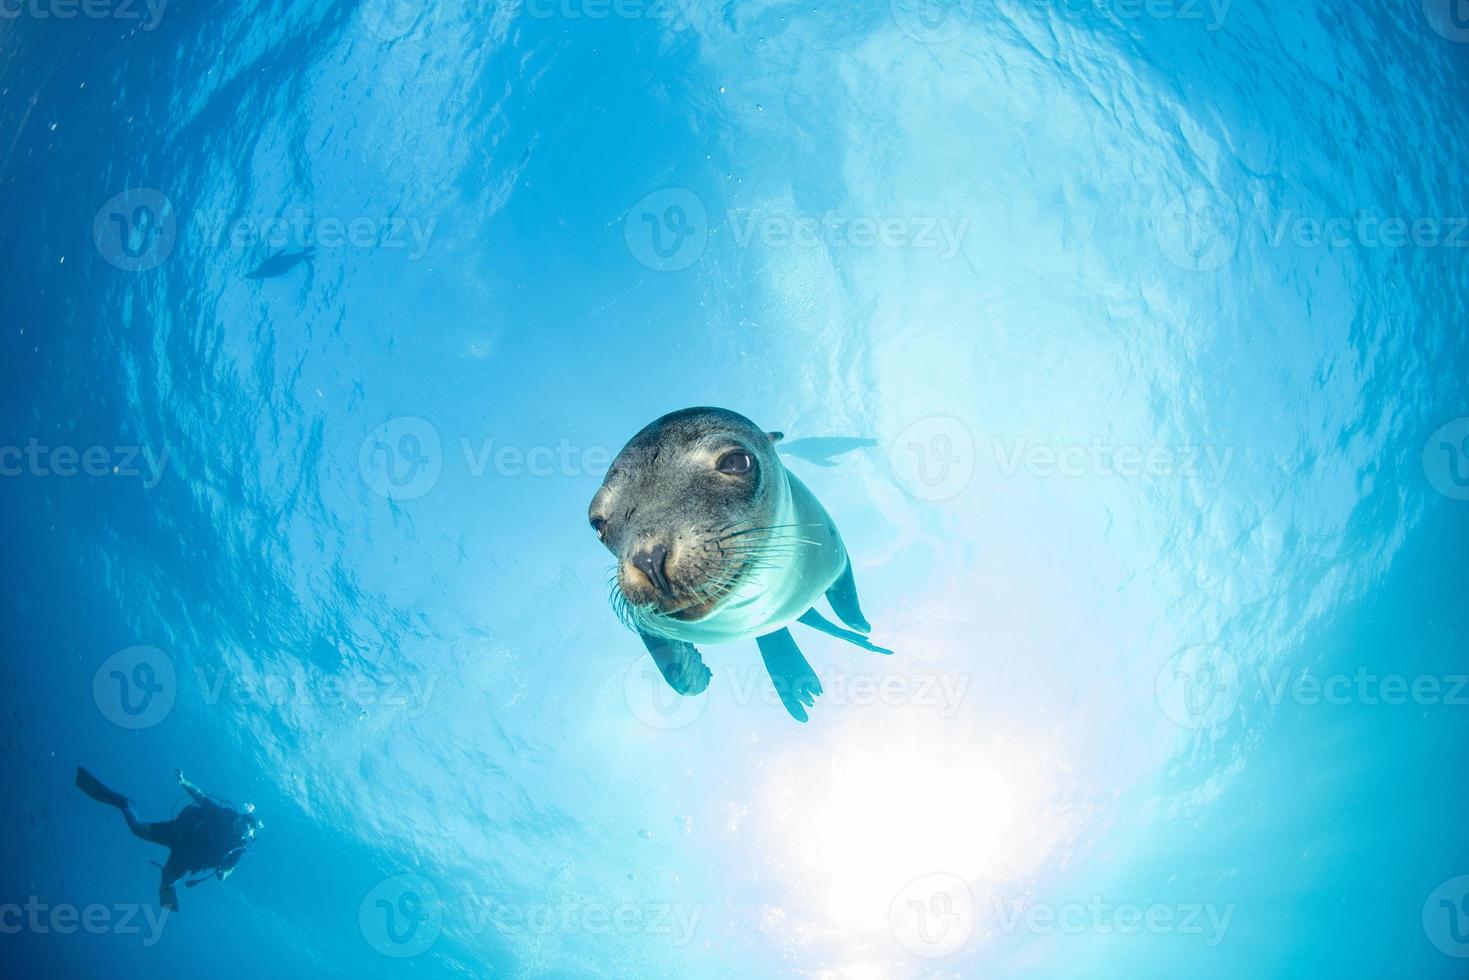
(89, 784)
(795, 681)
(816, 621)
(843, 598)
(679, 663)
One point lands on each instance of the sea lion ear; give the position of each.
(775, 437)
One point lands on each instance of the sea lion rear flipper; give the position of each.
(679, 663)
(816, 621)
(843, 598)
(795, 681)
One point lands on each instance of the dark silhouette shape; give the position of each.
(282, 262)
(206, 836)
(820, 449)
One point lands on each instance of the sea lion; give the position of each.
(716, 541)
(819, 450)
(282, 262)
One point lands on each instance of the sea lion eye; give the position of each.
(599, 524)
(736, 463)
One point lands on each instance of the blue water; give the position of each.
(1155, 315)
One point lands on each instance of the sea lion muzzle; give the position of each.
(651, 562)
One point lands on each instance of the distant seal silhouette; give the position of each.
(716, 541)
(820, 449)
(282, 262)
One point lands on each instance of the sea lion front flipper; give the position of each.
(795, 681)
(843, 598)
(816, 621)
(679, 663)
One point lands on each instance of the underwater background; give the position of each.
(1147, 320)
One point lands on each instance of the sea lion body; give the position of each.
(774, 597)
(716, 542)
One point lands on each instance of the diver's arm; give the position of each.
(190, 788)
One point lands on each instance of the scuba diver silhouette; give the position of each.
(208, 835)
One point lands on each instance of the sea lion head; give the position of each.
(688, 508)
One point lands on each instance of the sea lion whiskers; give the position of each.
(769, 527)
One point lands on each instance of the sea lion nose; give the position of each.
(650, 562)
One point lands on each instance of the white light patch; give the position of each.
(894, 795)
